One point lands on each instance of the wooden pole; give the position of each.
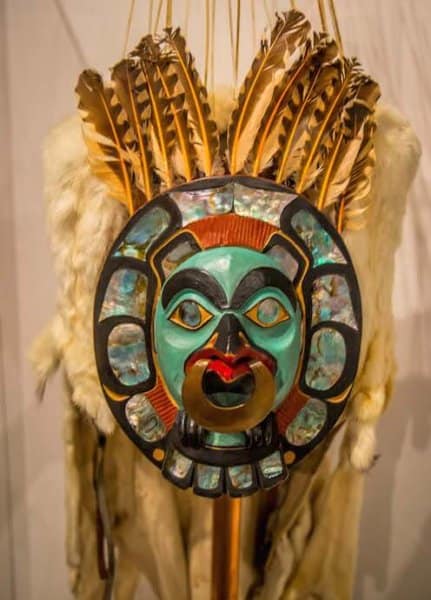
(225, 548)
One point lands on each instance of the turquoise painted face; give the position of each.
(231, 307)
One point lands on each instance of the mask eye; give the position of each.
(190, 315)
(268, 313)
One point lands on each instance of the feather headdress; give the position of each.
(304, 117)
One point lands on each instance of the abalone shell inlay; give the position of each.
(208, 477)
(285, 260)
(327, 359)
(241, 476)
(308, 423)
(198, 204)
(261, 204)
(144, 420)
(145, 230)
(176, 256)
(271, 466)
(127, 354)
(178, 465)
(317, 239)
(331, 301)
(126, 294)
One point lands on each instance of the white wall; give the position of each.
(39, 64)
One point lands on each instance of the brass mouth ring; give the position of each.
(226, 419)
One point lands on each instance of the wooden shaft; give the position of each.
(225, 548)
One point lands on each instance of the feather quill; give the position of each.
(108, 156)
(290, 31)
(205, 135)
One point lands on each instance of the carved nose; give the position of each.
(229, 336)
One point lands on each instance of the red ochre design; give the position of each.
(232, 230)
(290, 408)
(162, 405)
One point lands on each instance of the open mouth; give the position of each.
(227, 393)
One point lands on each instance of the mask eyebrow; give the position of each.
(261, 278)
(198, 281)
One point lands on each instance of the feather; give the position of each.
(109, 158)
(286, 99)
(151, 92)
(349, 138)
(330, 110)
(184, 153)
(205, 135)
(124, 75)
(356, 198)
(306, 105)
(290, 31)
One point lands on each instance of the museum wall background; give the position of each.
(43, 46)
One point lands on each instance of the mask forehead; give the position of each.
(228, 265)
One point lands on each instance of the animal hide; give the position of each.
(163, 533)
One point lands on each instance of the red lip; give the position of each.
(231, 366)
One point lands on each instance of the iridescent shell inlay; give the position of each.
(331, 301)
(176, 256)
(126, 294)
(241, 476)
(178, 465)
(284, 260)
(143, 233)
(260, 204)
(317, 239)
(271, 466)
(127, 354)
(327, 359)
(208, 477)
(195, 205)
(144, 420)
(308, 423)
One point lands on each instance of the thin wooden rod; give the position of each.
(231, 36)
(186, 18)
(168, 13)
(253, 23)
(225, 548)
(322, 12)
(335, 25)
(129, 25)
(150, 15)
(207, 40)
(237, 34)
(158, 14)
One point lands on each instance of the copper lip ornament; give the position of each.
(227, 419)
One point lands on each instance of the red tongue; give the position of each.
(227, 372)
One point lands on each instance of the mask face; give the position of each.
(227, 329)
(230, 308)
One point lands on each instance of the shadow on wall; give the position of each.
(405, 432)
